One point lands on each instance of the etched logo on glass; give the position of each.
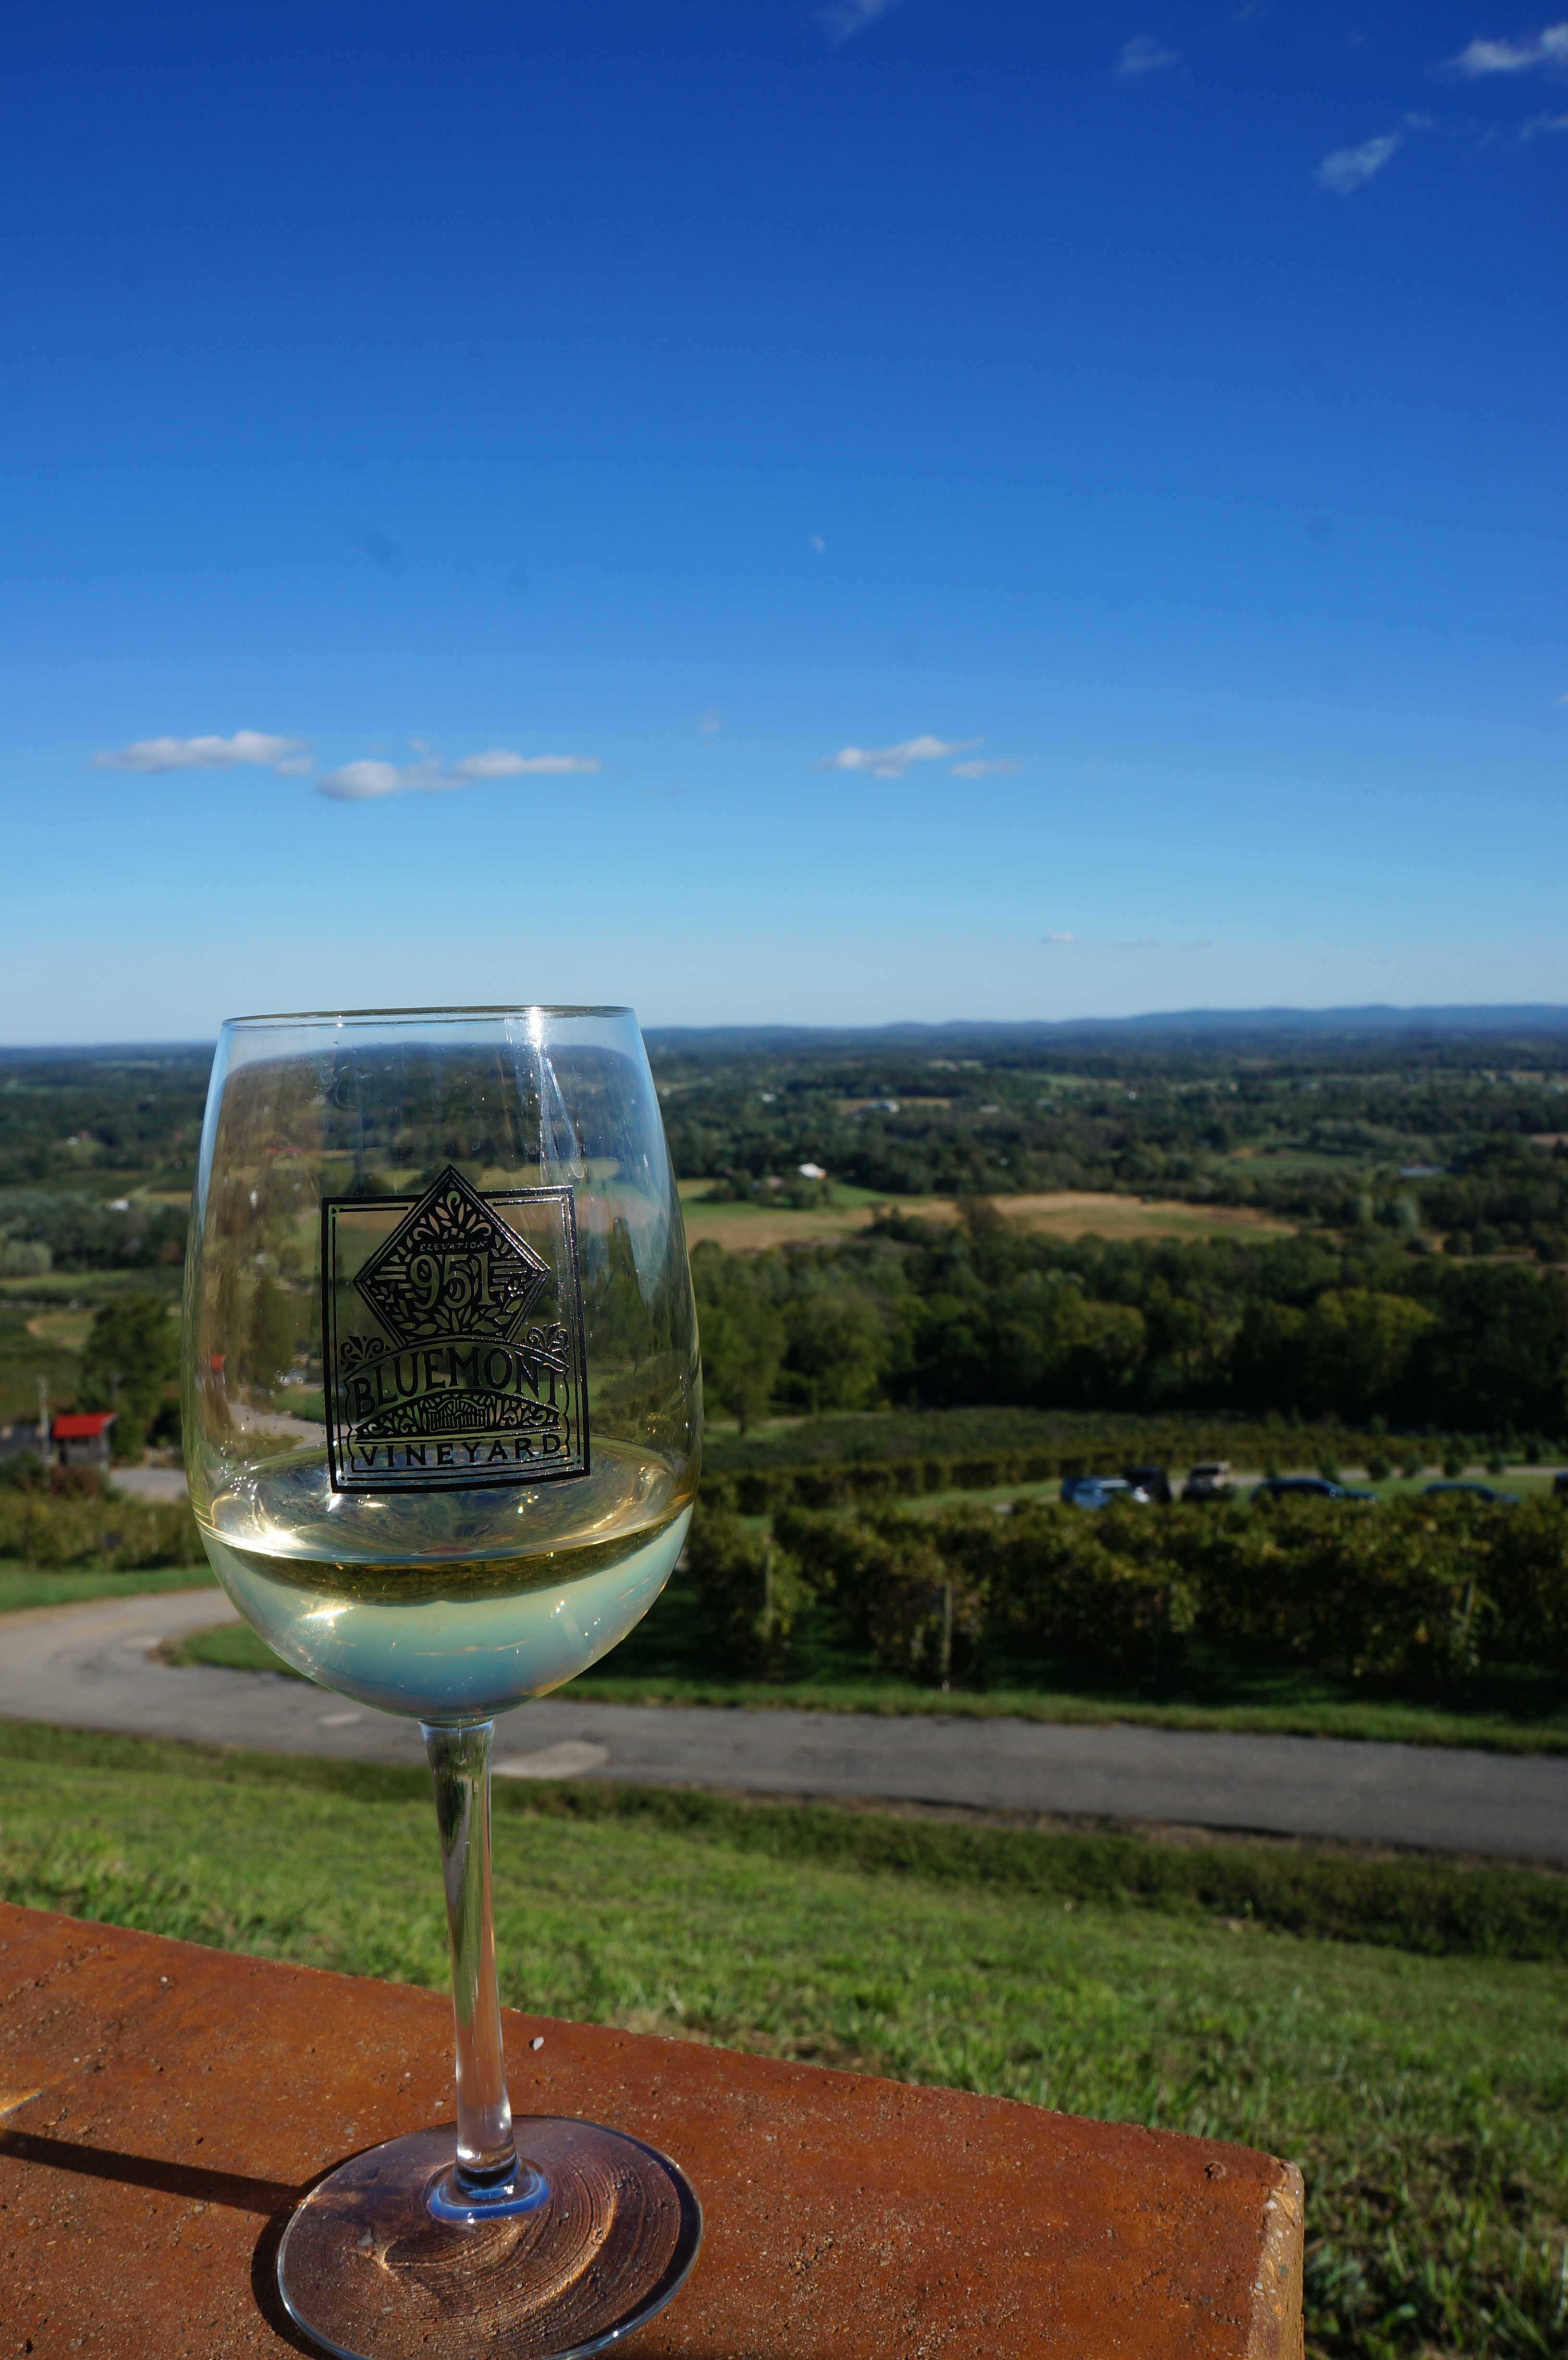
(453, 1338)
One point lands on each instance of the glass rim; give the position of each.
(388, 1016)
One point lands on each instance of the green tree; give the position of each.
(1105, 1346)
(1357, 1349)
(1498, 1357)
(269, 1335)
(131, 1355)
(1266, 1361)
(743, 1333)
(838, 1348)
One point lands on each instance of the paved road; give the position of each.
(92, 1666)
(158, 1484)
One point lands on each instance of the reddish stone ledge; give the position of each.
(160, 2104)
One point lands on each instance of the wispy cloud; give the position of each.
(367, 781)
(894, 762)
(1545, 123)
(1143, 54)
(500, 763)
(246, 750)
(710, 722)
(1059, 939)
(1546, 49)
(383, 552)
(1349, 168)
(845, 18)
(973, 770)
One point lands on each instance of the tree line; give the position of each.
(1356, 1330)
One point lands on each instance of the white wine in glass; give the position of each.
(443, 1413)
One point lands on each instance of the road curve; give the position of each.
(92, 1666)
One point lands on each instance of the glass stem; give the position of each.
(460, 1765)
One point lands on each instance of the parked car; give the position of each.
(1152, 1481)
(1099, 1491)
(1315, 1487)
(1209, 1479)
(1560, 1484)
(1479, 1490)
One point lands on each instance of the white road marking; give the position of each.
(570, 1759)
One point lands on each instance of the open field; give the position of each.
(1288, 1159)
(749, 1227)
(67, 1327)
(1068, 1214)
(1421, 2088)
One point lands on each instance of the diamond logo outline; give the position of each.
(451, 1267)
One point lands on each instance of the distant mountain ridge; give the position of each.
(1210, 1027)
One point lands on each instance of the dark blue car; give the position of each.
(1476, 1491)
(1313, 1487)
(1099, 1491)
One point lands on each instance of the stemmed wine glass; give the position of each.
(443, 1422)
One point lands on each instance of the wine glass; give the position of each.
(443, 1412)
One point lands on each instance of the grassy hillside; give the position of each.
(1421, 2088)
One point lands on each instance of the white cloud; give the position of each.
(893, 761)
(1547, 48)
(710, 722)
(1143, 54)
(246, 750)
(1059, 938)
(1350, 167)
(1545, 123)
(973, 770)
(359, 783)
(499, 763)
(818, 543)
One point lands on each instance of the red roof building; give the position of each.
(82, 1437)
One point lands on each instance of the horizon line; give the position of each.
(1364, 1016)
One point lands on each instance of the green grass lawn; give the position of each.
(22, 1587)
(1423, 2095)
(91, 1285)
(669, 1659)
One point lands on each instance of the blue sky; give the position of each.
(780, 509)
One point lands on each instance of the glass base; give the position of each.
(594, 2236)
